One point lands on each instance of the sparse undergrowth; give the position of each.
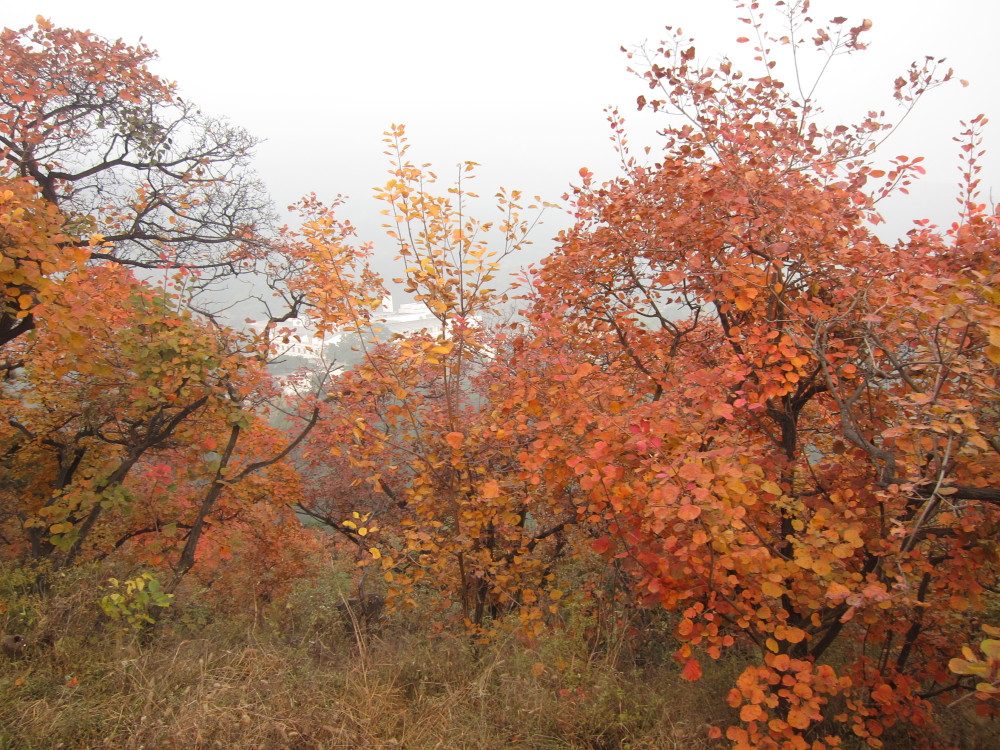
(293, 675)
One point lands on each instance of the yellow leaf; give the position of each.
(375, 552)
(961, 666)
(822, 567)
(444, 348)
(769, 588)
(994, 333)
(991, 647)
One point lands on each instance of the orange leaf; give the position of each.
(454, 439)
(798, 719)
(751, 712)
(688, 512)
(691, 670)
(769, 588)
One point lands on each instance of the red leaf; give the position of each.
(692, 670)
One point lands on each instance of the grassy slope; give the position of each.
(293, 676)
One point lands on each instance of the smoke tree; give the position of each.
(785, 425)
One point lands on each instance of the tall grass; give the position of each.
(292, 674)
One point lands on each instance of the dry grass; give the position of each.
(401, 691)
(212, 692)
(294, 676)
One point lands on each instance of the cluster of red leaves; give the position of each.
(783, 424)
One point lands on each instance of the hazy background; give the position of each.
(520, 87)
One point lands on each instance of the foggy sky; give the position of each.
(520, 87)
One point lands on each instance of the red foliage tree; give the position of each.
(784, 424)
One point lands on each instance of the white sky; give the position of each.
(518, 86)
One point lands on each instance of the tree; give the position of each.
(130, 165)
(117, 378)
(106, 170)
(411, 420)
(34, 254)
(785, 425)
(93, 398)
(135, 392)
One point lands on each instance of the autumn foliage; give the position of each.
(783, 423)
(727, 384)
(133, 426)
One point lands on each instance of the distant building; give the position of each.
(299, 348)
(409, 318)
(298, 337)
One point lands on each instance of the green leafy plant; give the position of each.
(133, 599)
